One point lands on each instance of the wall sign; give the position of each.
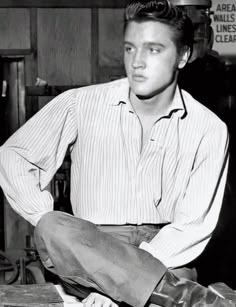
(224, 26)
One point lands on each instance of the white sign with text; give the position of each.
(224, 26)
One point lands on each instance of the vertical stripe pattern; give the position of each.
(178, 177)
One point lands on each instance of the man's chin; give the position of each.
(145, 96)
(142, 95)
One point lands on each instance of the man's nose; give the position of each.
(138, 60)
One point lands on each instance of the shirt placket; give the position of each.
(152, 152)
(131, 130)
(145, 159)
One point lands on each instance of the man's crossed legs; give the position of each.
(107, 260)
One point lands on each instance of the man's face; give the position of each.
(150, 57)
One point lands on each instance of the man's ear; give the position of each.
(184, 57)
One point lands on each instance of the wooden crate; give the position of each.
(38, 295)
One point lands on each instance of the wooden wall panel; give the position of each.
(65, 3)
(111, 23)
(14, 29)
(64, 46)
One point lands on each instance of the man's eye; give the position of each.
(154, 50)
(128, 49)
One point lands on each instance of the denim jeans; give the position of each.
(99, 258)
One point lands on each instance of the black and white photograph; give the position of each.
(117, 153)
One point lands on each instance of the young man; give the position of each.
(148, 173)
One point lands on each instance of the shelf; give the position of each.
(52, 90)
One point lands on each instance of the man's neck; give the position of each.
(157, 105)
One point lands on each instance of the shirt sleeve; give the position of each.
(31, 156)
(196, 215)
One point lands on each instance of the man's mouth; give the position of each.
(138, 78)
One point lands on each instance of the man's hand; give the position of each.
(98, 300)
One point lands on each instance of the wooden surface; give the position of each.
(111, 25)
(64, 46)
(39, 295)
(15, 29)
(63, 3)
(51, 90)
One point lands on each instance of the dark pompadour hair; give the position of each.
(163, 11)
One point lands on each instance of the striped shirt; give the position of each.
(177, 178)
